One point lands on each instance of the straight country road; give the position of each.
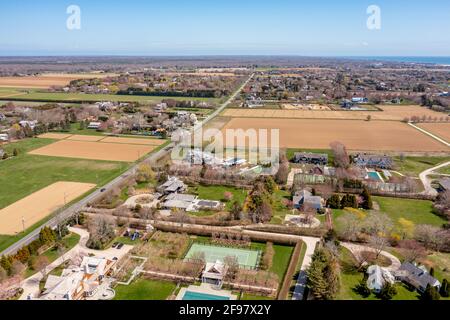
(72, 210)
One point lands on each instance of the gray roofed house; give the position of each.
(373, 160)
(311, 158)
(172, 185)
(305, 198)
(416, 276)
(444, 185)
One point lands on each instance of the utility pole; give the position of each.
(23, 224)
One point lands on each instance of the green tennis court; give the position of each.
(246, 258)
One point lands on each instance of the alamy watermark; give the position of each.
(73, 22)
(374, 19)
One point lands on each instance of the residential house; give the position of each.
(346, 104)
(179, 201)
(79, 282)
(31, 124)
(444, 185)
(172, 185)
(94, 125)
(305, 198)
(360, 100)
(310, 158)
(4, 137)
(214, 273)
(373, 161)
(378, 277)
(416, 276)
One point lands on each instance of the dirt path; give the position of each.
(429, 190)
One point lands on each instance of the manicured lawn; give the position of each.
(444, 170)
(143, 289)
(417, 211)
(281, 260)
(217, 193)
(247, 297)
(413, 166)
(279, 209)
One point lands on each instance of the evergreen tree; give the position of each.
(445, 289)
(367, 199)
(387, 292)
(430, 294)
(363, 289)
(334, 202)
(6, 264)
(316, 281)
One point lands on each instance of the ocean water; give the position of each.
(421, 60)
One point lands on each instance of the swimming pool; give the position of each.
(190, 295)
(374, 176)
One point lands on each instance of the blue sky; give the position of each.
(216, 27)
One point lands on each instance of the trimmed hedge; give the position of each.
(284, 291)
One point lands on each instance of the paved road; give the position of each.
(429, 190)
(66, 213)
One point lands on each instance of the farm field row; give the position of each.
(391, 113)
(26, 174)
(39, 205)
(97, 147)
(356, 135)
(46, 81)
(32, 95)
(441, 130)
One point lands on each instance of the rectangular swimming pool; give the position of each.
(374, 176)
(190, 295)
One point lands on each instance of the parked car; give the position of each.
(120, 246)
(115, 244)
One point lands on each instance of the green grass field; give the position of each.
(67, 97)
(217, 193)
(143, 289)
(445, 170)
(417, 211)
(25, 174)
(413, 166)
(281, 260)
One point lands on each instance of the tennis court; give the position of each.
(246, 258)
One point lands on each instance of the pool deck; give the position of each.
(206, 289)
